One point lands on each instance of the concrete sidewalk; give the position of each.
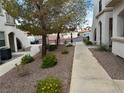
(89, 77)
(4, 68)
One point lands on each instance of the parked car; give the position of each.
(33, 40)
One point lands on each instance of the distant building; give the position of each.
(86, 32)
(10, 36)
(108, 25)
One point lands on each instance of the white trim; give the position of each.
(118, 39)
(103, 11)
(3, 47)
(112, 3)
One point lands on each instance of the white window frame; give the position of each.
(1, 11)
(3, 39)
(9, 19)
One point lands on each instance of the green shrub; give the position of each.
(103, 48)
(51, 47)
(65, 42)
(87, 42)
(64, 51)
(49, 61)
(27, 59)
(49, 85)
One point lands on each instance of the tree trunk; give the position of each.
(71, 38)
(58, 39)
(44, 45)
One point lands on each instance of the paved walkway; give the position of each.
(4, 68)
(88, 76)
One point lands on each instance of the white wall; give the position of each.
(118, 48)
(118, 26)
(118, 21)
(118, 30)
(96, 6)
(8, 29)
(35, 49)
(104, 18)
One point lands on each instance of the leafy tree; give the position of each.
(42, 17)
(60, 25)
(78, 9)
(36, 15)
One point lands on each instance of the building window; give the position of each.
(0, 9)
(100, 5)
(9, 19)
(95, 35)
(100, 28)
(2, 39)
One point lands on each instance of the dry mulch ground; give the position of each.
(114, 65)
(12, 83)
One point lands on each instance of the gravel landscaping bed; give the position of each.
(114, 65)
(12, 83)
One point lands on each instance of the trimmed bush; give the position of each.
(49, 61)
(51, 47)
(87, 42)
(27, 59)
(49, 85)
(64, 51)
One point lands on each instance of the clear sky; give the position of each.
(89, 16)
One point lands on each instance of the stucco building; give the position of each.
(108, 25)
(10, 36)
